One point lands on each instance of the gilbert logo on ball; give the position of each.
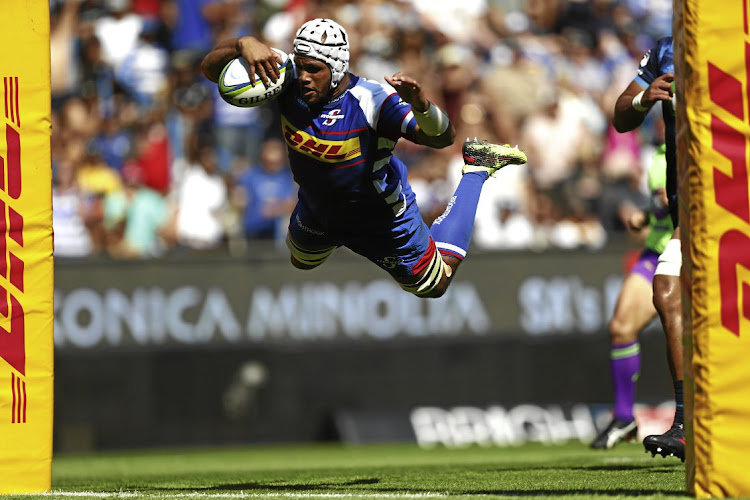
(236, 89)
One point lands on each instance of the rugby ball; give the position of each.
(236, 89)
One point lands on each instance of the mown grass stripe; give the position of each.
(133, 494)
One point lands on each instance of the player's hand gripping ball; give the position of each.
(236, 89)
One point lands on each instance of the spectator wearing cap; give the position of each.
(93, 179)
(94, 175)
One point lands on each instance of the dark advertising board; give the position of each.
(193, 302)
(224, 350)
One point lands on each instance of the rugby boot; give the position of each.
(671, 443)
(615, 432)
(483, 156)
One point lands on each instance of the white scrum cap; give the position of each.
(326, 41)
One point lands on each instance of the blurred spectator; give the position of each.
(134, 217)
(143, 71)
(80, 119)
(92, 179)
(621, 177)
(230, 18)
(89, 11)
(266, 194)
(190, 28)
(513, 86)
(560, 146)
(63, 57)
(654, 16)
(281, 26)
(97, 78)
(555, 137)
(148, 9)
(201, 199)
(544, 74)
(190, 102)
(239, 132)
(118, 31)
(95, 176)
(114, 142)
(579, 70)
(152, 151)
(410, 54)
(543, 14)
(460, 22)
(69, 215)
(580, 17)
(376, 45)
(457, 69)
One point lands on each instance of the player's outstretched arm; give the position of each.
(261, 59)
(435, 128)
(635, 102)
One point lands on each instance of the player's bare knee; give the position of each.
(667, 297)
(620, 332)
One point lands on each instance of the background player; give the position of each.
(341, 130)
(635, 309)
(654, 83)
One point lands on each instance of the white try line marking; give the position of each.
(133, 494)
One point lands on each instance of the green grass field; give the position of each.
(362, 472)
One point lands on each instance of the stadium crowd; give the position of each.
(148, 160)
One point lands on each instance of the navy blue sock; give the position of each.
(452, 231)
(679, 412)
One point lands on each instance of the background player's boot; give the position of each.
(615, 432)
(671, 442)
(483, 156)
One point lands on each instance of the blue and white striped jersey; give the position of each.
(341, 155)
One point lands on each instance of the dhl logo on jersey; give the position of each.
(320, 149)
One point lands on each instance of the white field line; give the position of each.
(132, 494)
